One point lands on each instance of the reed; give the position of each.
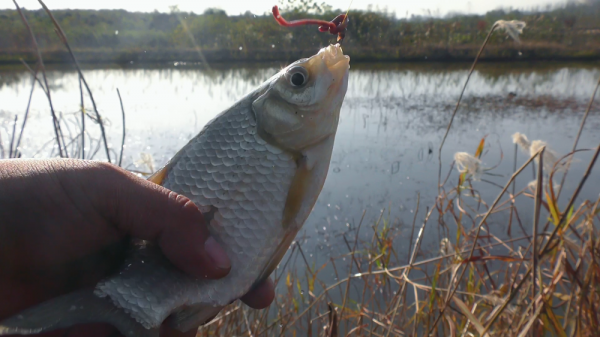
(542, 281)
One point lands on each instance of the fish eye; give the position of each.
(297, 79)
(297, 76)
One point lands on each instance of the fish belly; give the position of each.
(241, 182)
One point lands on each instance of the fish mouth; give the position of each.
(335, 60)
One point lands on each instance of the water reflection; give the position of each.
(390, 128)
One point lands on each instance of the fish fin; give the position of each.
(302, 195)
(159, 176)
(280, 251)
(79, 307)
(296, 193)
(293, 205)
(191, 317)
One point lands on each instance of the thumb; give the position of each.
(151, 212)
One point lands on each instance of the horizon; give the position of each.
(435, 8)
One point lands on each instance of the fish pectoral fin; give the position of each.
(159, 176)
(79, 307)
(296, 193)
(293, 205)
(192, 317)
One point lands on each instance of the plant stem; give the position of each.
(123, 140)
(459, 100)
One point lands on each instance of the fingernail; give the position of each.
(217, 254)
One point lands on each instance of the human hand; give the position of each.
(66, 224)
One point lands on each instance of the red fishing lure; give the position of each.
(336, 26)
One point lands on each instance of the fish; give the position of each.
(255, 172)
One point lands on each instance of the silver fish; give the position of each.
(255, 171)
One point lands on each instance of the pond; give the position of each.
(391, 126)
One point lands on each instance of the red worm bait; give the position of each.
(336, 26)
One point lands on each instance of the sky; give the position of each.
(401, 8)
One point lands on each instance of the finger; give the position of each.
(89, 330)
(151, 212)
(166, 331)
(261, 296)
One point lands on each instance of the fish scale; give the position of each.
(248, 188)
(255, 172)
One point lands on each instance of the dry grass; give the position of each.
(542, 283)
(543, 286)
(70, 131)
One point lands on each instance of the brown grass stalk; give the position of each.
(26, 116)
(352, 253)
(563, 216)
(579, 132)
(82, 120)
(412, 231)
(124, 129)
(11, 152)
(57, 131)
(536, 219)
(64, 40)
(407, 270)
(462, 92)
(477, 232)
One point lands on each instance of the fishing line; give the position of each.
(346, 18)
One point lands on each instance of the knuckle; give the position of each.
(103, 168)
(181, 202)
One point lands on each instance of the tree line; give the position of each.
(371, 34)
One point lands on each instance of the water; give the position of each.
(392, 122)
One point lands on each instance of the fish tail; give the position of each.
(79, 307)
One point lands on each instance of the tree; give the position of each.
(305, 6)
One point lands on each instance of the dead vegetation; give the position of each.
(539, 281)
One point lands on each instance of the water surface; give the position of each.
(391, 126)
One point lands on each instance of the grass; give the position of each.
(542, 281)
(547, 287)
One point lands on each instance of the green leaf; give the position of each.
(461, 180)
(433, 285)
(300, 289)
(551, 318)
(570, 214)
(553, 209)
(471, 282)
(479, 151)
